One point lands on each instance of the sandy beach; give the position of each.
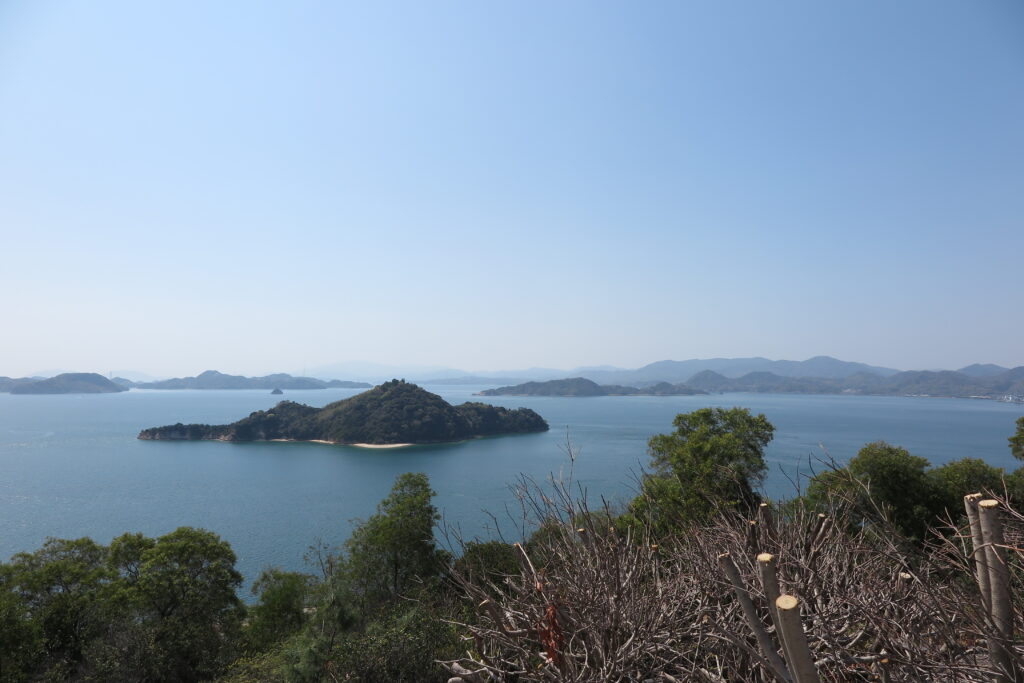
(358, 445)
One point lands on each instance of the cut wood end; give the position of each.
(765, 558)
(752, 522)
(989, 503)
(822, 515)
(971, 497)
(763, 505)
(723, 556)
(787, 602)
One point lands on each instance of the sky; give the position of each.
(271, 186)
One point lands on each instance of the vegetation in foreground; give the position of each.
(878, 556)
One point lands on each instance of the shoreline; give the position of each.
(337, 443)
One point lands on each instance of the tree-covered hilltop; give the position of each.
(394, 412)
(69, 383)
(580, 386)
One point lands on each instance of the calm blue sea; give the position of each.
(71, 466)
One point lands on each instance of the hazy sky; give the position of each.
(269, 186)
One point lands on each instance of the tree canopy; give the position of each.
(887, 480)
(714, 458)
(1017, 440)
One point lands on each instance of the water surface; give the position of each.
(71, 466)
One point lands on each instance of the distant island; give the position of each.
(211, 379)
(8, 383)
(978, 381)
(579, 386)
(394, 413)
(1005, 385)
(817, 375)
(69, 383)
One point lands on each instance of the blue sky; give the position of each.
(269, 186)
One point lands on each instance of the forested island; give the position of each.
(579, 386)
(396, 412)
(68, 383)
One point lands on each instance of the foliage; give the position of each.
(280, 611)
(142, 609)
(377, 617)
(389, 553)
(1017, 440)
(487, 561)
(713, 460)
(886, 476)
(887, 481)
(402, 644)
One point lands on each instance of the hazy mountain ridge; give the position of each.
(982, 370)
(682, 371)
(212, 379)
(69, 383)
(580, 386)
(946, 383)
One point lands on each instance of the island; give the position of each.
(579, 386)
(211, 379)
(1007, 385)
(70, 383)
(276, 391)
(393, 413)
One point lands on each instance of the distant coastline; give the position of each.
(818, 375)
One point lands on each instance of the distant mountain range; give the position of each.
(671, 371)
(1007, 384)
(821, 374)
(683, 370)
(67, 383)
(211, 379)
(578, 386)
(92, 383)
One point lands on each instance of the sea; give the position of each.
(71, 466)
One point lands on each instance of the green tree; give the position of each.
(713, 459)
(21, 640)
(886, 479)
(361, 631)
(186, 583)
(956, 479)
(395, 547)
(487, 561)
(1017, 440)
(62, 585)
(280, 612)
